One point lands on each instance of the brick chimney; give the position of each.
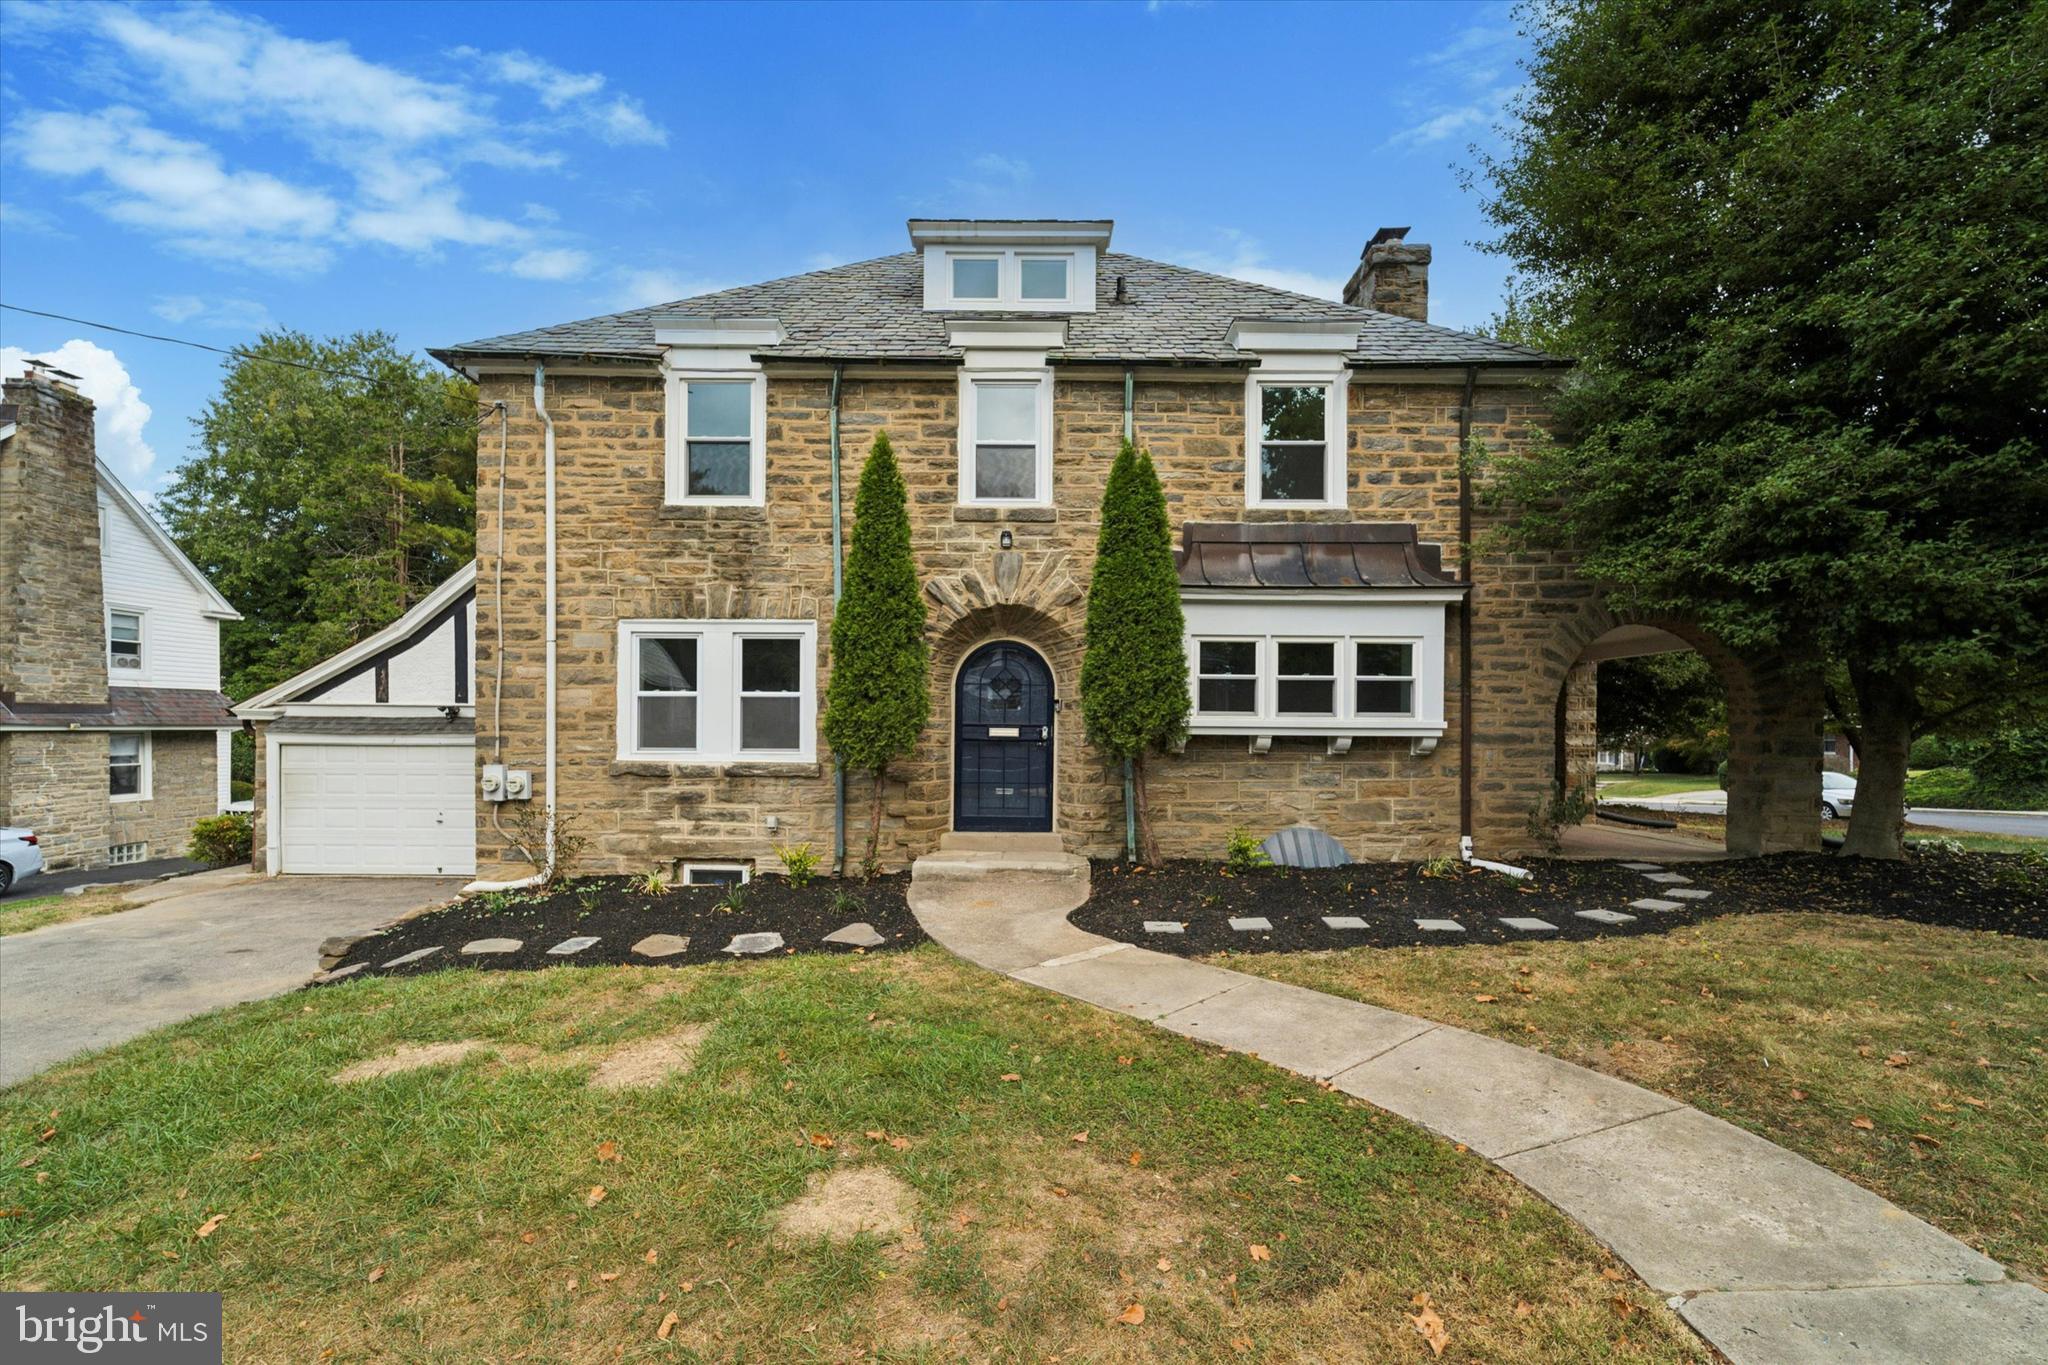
(1392, 276)
(53, 645)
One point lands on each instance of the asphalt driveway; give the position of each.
(77, 987)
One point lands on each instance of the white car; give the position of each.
(20, 857)
(1837, 795)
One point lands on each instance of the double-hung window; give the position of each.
(1295, 445)
(1227, 677)
(1306, 671)
(716, 454)
(1386, 678)
(718, 691)
(128, 767)
(1006, 438)
(124, 641)
(1320, 668)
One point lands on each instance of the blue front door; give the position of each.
(1002, 733)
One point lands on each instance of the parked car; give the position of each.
(20, 856)
(1837, 795)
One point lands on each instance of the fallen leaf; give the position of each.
(1896, 1059)
(1010, 1076)
(46, 1134)
(824, 1142)
(527, 1237)
(1165, 1264)
(1610, 1273)
(1429, 1325)
(1622, 1307)
(1974, 1104)
(1059, 1191)
(1799, 1094)
(1132, 1316)
(1930, 1141)
(1860, 1122)
(1240, 1344)
(254, 1156)
(1081, 1136)
(31, 1159)
(652, 1256)
(595, 1197)
(211, 1225)
(1125, 1061)
(1261, 1252)
(606, 1277)
(608, 1150)
(377, 1274)
(1487, 999)
(1523, 1308)
(1293, 1179)
(1137, 1158)
(688, 1286)
(876, 1134)
(668, 1325)
(901, 1144)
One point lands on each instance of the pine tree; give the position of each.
(1134, 678)
(878, 700)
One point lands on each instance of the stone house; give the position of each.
(654, 603)
(113, 729)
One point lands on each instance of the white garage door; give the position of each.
(377, 808)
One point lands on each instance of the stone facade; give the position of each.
(622, 554)
(50, 651)
(184, 778)
(55, 782)
(1392, 276)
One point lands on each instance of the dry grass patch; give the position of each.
(841, 1204)
(410, 1057)
(649, 1062)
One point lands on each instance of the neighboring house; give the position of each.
(365, 763)
(676, 481)
(113, 730)
(1837, 754)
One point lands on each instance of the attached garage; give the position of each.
(366, 762)
(371, 804)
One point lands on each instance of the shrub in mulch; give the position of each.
(1997, 892)
(619, 912)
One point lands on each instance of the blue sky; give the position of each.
(444, 172)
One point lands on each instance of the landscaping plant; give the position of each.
(878, 699)
(799, 862)
(1795, 251)
(222, 840)
(654, 883)
(1242, 852)
(1134, 676)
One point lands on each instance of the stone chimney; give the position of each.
(1392, 276)
(53, 645)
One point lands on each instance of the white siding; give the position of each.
(422, 674)
(180, 647)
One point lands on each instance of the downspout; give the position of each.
(1130, 779)
(1465, 745)
(838, 586)
(540, 408)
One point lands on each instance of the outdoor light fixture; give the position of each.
(1005, 540)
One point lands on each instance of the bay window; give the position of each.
(1385, 678)
(718, 691)
(1307, 674)
(1227, 677)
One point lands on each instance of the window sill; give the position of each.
(706, 511)
(750, 767)
(1292, 511)
(128, 800)
(1003, 512)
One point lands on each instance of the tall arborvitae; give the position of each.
(1134, 679)
(878, 700)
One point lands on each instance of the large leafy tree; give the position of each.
(334, 485)
(1134, 676)
(1798, 250)
(1659, 699)
(879, 696)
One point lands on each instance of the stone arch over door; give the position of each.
(1774, 722)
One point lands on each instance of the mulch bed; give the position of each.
(1988, 891)
(619, 914)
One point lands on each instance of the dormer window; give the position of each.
(983, 266)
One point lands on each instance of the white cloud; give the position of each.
(553, 263)
(643, 288)
(624, 123)
(1246, 260)
(555, 86)
(1465, 86)
(119, 414)
(238, 315)
(20, 218)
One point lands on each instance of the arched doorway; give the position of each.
(1003, 741)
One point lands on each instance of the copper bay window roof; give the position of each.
(1307, 556)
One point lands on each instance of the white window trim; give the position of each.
(141, 669)
(1258, 644)
(1336, 490)
(145, 777)
(718, 690)
(1356, 677)
(1079, 298)
(746, 872)
(676, 446)
(969, 377)
(1338, 646)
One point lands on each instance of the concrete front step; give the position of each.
(958, 841)
(956, 865)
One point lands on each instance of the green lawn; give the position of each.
(1793, 1026)
(1612, 785)
(19, 913)
(451, 1212)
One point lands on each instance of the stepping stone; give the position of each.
(1528, 926)
(1652, 903)
(1690, 893)
(1165, 926)
(1250, 925)
(1608, 916)
(1668, 878)
(752, 943)
(414, 956)
(571, 945)
(1644, 867)
(860, 934)
(662, 945)
(339, 972)
(1440, 926)
(1344, 922)
(492, 945)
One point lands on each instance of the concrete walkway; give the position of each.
(1769, 1257)
(195, 944)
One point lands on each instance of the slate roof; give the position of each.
(373, 725)
(127, 708)
(875, 310)
(1297, 555)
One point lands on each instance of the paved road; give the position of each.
(50, 883)
(2025, 823)
(85, 985)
